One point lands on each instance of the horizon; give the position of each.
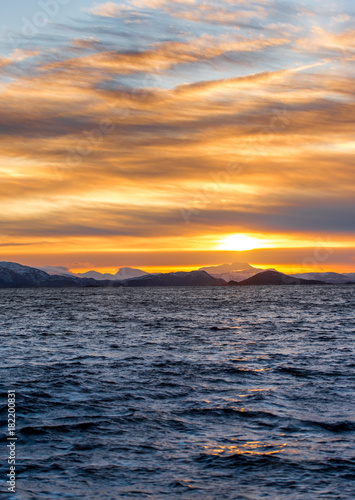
(170, 269)
(176, 133)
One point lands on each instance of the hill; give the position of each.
(350, 276)
(13, 275)
(334, 278)
(274, 278)
(193, 278)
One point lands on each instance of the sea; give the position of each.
(179, 393)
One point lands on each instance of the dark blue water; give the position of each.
(170, 393)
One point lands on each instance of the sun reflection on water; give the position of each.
(248, 448)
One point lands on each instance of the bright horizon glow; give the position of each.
(241, 242)
(225, 130)
(283, 268)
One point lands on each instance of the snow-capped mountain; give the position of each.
(238, 271)
(123, 274)
(13, 275)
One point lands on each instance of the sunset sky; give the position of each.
(178, 133)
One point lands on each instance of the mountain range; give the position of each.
(122, 274)
(238, 271)
(326, 277)
(13, 275)
(272, 277)
(192, 278)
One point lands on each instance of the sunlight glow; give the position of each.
(240, 242)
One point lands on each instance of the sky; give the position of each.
(177, 134)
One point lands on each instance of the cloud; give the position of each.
(16, 56)
(56, 270)
(5, 61)
(20, 55)
(227, 12)
(328, 44)
(341, 18)
(109, 149)
(108, 9)
(166, 55)
(14, 244)
(125, 12)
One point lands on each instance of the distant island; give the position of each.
(14, 275)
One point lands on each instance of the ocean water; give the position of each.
(180, 393)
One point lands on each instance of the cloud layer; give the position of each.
(202, 119)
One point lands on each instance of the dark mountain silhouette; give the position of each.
(13, 275)
(329, 277)
(274, 278)
(193, 278)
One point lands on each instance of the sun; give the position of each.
(240, 242)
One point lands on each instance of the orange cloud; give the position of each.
(330, 45)
(16, 56)
(166, 55)
(88, 162)
(224, 12)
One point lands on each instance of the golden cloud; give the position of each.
(87, 163)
